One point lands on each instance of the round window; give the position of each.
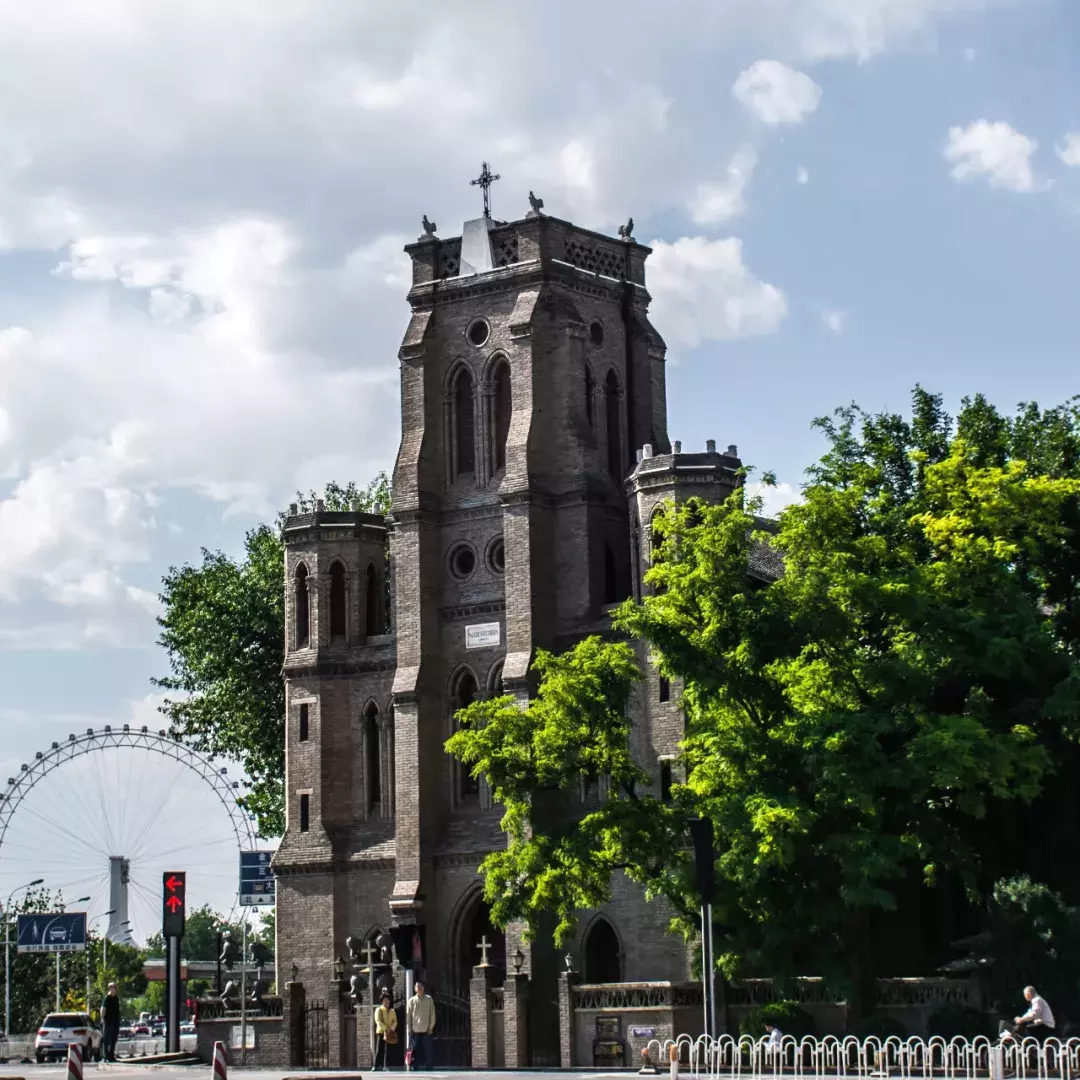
(596, 334)
(496, 556)
(462, 561)
(478, 332)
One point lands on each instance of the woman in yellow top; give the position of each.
(385, 1030)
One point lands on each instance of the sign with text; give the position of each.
(482, 635)
(55, 932)
(256, 879)
(173, 903)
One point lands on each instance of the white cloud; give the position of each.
(995, 151)
(716, 203)
(835, 321)
(777, 93)
(1069, 150)
(802, 175)
(774, 497)
(702, 291)
(226, 189)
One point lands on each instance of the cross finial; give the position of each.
(483, 947)
(484, 181)
(370, 952)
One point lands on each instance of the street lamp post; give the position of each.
(7, 951)
(89, 923)
(81, 900)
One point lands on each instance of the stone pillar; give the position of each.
(566, 1019)
(335, 1022)
(516, 1020)
(483, 1034)
(365, 1025)
(293, 1006)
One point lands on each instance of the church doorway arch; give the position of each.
(472, 925)
(603, 953)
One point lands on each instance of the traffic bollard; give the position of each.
(220, 1069)
(74, 1063)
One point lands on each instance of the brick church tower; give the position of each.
(534, 450)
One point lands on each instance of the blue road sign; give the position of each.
(256, 879)
(52, 932)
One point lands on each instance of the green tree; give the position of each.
(850, 721)
(223, 628)
(201, 929)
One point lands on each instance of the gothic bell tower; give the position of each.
(529, 375)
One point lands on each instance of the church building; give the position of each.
(534, 451)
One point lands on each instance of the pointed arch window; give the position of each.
(590, 390)
(502, 409)
(371, 601)
(464, 425)
(372, 762)
(465, 693)
(614, 427)
(337, 601)
(603, 957)
(303, 608)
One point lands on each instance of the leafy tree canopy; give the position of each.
(201, 929)
(223, 628)
(847, 724)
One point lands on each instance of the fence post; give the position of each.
(516, 1020)
(567, 979)
(483, 1035)
(294, 1004)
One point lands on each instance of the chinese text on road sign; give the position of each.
(256, 879)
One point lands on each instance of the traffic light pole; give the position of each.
(172, 962)
(173, 914)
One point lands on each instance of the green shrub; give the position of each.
(881, 1026)
(952, 1020)
(790, 1017)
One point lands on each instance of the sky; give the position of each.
(202, 284)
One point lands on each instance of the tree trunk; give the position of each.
(862, 1001)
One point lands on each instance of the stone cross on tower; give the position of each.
(483, 947)
(484, 181)
(369, 953)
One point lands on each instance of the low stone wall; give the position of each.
(908, 1001)
(640, 1012)
(267, 1040)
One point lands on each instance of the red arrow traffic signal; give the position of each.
(174, 903)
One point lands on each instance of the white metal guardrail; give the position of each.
(834, 1058)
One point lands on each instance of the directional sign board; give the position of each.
(60, 932)
(256, 879)
(173, 903)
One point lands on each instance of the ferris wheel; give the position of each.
(105, 813)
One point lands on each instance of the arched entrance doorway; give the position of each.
(603, 954)
(474, 926)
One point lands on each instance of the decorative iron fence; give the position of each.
(316, 1036)
(216, 1009)
(833, 1058)
(452, 1042)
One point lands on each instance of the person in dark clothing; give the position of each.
(110, 1023)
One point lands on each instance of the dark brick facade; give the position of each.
(531, 540)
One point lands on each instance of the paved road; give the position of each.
(122, 1071)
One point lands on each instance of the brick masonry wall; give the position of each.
(556, 508)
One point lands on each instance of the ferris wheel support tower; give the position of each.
(119, 877)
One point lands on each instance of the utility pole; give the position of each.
(7, 951)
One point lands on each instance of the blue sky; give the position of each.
(202, 209)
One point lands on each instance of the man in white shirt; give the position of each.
(1038, 1021)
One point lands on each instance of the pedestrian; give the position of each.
(1038, 1021)
(420, 1022)
(385, 1030)
(110, 1023)
(774, 1038)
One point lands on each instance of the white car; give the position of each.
(59, 1030)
